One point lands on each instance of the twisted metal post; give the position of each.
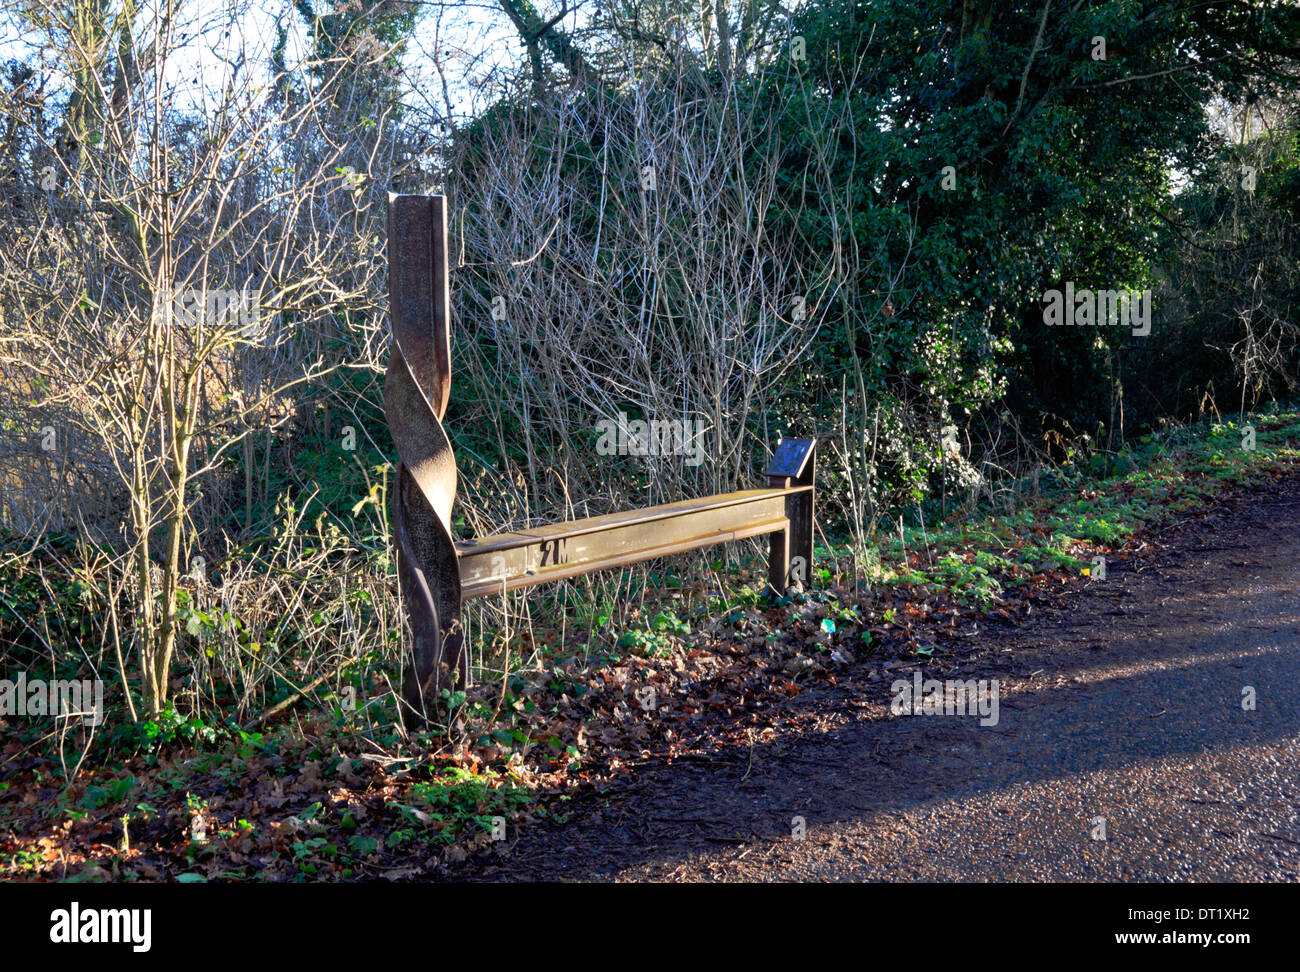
(416, 390)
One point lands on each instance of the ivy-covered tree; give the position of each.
(965, 157)
(367, 38)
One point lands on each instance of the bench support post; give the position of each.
(790, 551)
(416, 389)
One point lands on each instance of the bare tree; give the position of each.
(179, 272)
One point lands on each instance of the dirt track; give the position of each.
(1127, 707)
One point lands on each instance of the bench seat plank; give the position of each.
(507, 561)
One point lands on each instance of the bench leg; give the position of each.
(778, 562)
(790, 563)
(799, 511)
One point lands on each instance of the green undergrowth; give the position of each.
(1083, 514)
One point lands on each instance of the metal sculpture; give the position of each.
(435, 572)
(416, 391)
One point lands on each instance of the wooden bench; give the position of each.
(436, 573)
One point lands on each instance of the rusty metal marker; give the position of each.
(435, 573)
